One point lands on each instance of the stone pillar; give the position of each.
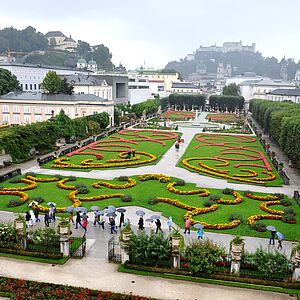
(296, 273)
(20, 226)
(236, 256)
(175, 251)
(64, 232)
(126, 236)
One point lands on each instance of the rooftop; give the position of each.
(285, 92)
(51, 97)
(81, 79)
(267, 82)
(184, 85)
(54, 34)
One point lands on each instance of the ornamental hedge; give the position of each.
(41, 136)
(187, 101)
(281, 120)
(229, 102)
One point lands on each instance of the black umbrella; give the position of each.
(121, 210)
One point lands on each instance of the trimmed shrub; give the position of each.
(82, 188)
(289, 211)
(38, 199)
(16, 179)
(289, 219)
(235, 217)
(228, 191)
(58, 176)
(180, 182)
(126, 198)
(30, 174)
(123, 178)
(285, 202)
(153, 200)
(214, 197)
(14, 202)
(208, 203)
(259, 226)
(72, 178)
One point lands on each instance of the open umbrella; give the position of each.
(32, 203)
(95, 208)
(112, 208)
(198, 226)
(100, 212)
(69, 209)
(111, 214)
(149, 220)
(155, 217)
(84, 216)
(280, 235)
(121, 210)
(140, 212)
(271, 228)
(79, 208)
(51, 204)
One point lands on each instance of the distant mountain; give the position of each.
(22, 43)
(240, 62)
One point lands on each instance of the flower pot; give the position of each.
(126, 236)
(19, 225)
(64, 229)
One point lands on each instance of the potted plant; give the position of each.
(295, 254)
(176, 238)
(64, 226)
(237, 245)
(126, 233)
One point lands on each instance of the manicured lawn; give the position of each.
(225, 118)
(143, 190)
(178, 115)
(111, 152)
(239, 159)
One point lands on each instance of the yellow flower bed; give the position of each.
(223, 226)
(160, 177)
(237, 199)
(201, 192)
(131, 182)
(264, 206)
(61, 185)
(23, 196)
(38, 179)
(32, 185)
(251, 220)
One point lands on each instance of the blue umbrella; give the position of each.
(112, 208)
(198, 226)
(155, 217)
(79, 208)
(95, 208)
(111, 214)
(120, 210)
(69, 209)
(100, 212)
(140, 212)
(271, 228)
(280, 235)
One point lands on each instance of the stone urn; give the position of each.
(126, 236)
(64, 229)
(19, 225)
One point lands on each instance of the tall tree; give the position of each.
(55, 85)
(231, 90)
(83, 47)
(8, 82)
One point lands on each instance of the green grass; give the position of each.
(146, 189)
(146, 146)
(60, 261)
(275, 289)
(224, 118)
(210, 151)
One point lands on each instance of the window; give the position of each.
(27, 109)
(26, 87)
(16, 109)
(5, 108)
(48, 110)
(38, 110)
(38, 118)
(6, 118)
(30, 86)
(16, 119)
(27, 119)
(34, 86)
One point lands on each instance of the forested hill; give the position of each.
(241, 62)
(29, 39)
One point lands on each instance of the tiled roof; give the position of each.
(54, 34)
(285, 92)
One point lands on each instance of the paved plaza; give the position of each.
(94, 271)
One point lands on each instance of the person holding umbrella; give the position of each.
(170, 223)
(158, 225)
(78, 220)
(84, 221)
(112, 223)
(281, 237)
(273, 234)
(141, 223)
(188, 224)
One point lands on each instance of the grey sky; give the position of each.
(159, 31)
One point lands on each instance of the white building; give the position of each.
(26, 108)
(86, 84)
(138, 89)
(31, 76)
(258, 88)
(57, 40)
(284, 95)
(228, 47)
(185, 88)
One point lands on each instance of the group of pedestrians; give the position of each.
(32, 216)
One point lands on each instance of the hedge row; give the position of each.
(19, 140)
(186, 101)
(229, 102)
(281, 120)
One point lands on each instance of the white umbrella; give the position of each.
(32, 203)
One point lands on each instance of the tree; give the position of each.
(55, 85)
(8, 82)
(83, 47)
(231, 90)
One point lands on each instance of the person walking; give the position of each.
(280, 240)
(71, 217)
(177, 146)
(46, 219)
(272, 238)
(200, 233)
(27, 218)
(170, 223)
(101, 221)
(78, 220)
(112, 223)
(141, 223)
(36, 213)
(96, 218)
(158, 226)
(122, 217)
(84, 222)
(32, 218)
(152, 227)
(188, 224)
(290, 164)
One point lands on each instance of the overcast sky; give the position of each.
(159, 31)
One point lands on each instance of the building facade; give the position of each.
(26, 108)
(57, 40)
(284, 95)
(185, 88)
(31, 76)
(138, 89)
